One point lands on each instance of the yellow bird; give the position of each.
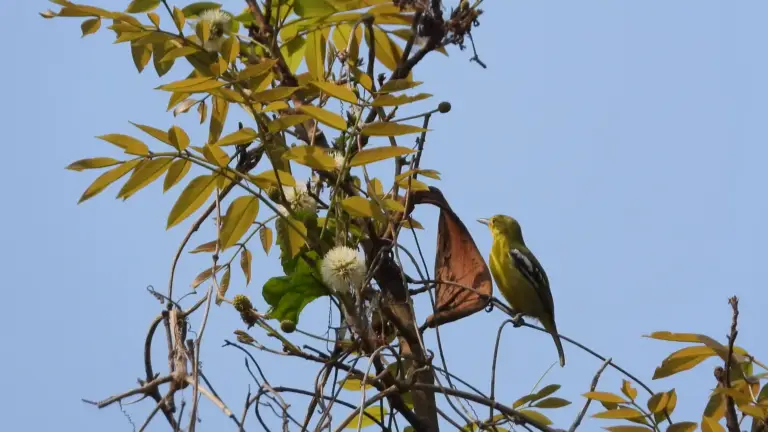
(520, 277)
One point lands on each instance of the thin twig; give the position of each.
(583, 411)
(731, 418)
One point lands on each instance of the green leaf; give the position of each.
(178, 169)
(147, 172)
(178, 138)
(193, 196)
(325, 117)
(194, 9)
(371, 155)
(242, 136)
(107, 179)
(311, 156)
(245, 264)
(99, 162)
(358, 206)
(288, 295)
(239, 217)
(335, 90)
(552, 402)
(139, 6)
(389, 129)
(90, 26)
(129, 144)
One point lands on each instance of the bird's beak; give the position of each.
(483, 221)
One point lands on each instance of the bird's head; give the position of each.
(506, 226)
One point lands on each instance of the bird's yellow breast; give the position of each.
(515, 288)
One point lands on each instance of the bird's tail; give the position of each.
(552, 329)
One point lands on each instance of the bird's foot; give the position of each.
(517, 320)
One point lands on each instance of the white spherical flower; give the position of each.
(338, 158)
(215, 17)
(281, 210)
(219, 22)
(299, 199)
(343, 268)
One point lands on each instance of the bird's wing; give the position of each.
(527, 264)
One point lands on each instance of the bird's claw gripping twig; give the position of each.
(517, 320)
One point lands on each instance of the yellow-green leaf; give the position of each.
(99, 162)
(230, 49)
(141, 55)
(325, 117)
(193, 85)
(178, 18)
(179, 52)
(341, 37)
(291, 234)
(242, 136)
(314, 54)
(313, 8)
(268, 179)
(385, 100)
(628, 390)
(286, 121)
(215, 155)
(605, 397)
(293, 52)
(178, 169)
(676, 365)
(364, 421)
(311, 156)
(273, 94)
(265, 234)
(358, 206)
(223, 286)
(371, 155)
(619, 413)
(399, 85)
(245, 264)
(356, 384)
(252, 71)
(139, 6)
(178, 138)
(107, 179)
(375, 187)
(335, 90)
(413, 184)
(90, 26)
(204, 276)
(628, 428)
(552, 402)
(193, 196)
(203, 30)
(147, 172)
(389, 129)
(194, 9)
(674, 337)
(155, 18)
(394, 205)
(752, 410)
(205, 247)
(219, 111)
(363, 79)
(239, 217)
(658, 402)
(536, 416)
(155, 133)
(129, 144)
(683, 427)
(711, 425)
(715, 408)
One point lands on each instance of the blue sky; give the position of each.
(627, 137)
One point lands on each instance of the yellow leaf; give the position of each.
(682, 427)
(389, 129)
(144, 174)
(202, 110)
(394, 205)
(711, 425)
(752, 410)
(141, 55)
(223, 286)
(239, 217)
(628, 428)
(99, 162)
(178, 169)
(252, 71)
(691, 351)
(286, 121)
(293, 52)
(375, 187)
(335, 90)
(294, 233)
(413, 184)
(425, 172)
(139, 6)
(204, 276)
(272, 95)
(658, 402)
(399, 85)
(356, 384)
(314, 54)
(412, 223)
(107, 179)
(715, 408)
(385, 100)
(535, 416)
(184, 106)
(178, 138)
(370, 155)
(671, 401)
(619, 413)
(179, 52)
(193, 196)
(265, 234)
(386, 50)
(205, 247)
(674, 337)
(552, 402)
(276, 106)
(245, 264)
(129, 144)
(313, 8)
(203, 30)
(215, 155)
(311, 156)
(325, 117)
(363, 79)
(155, 18)
(175, 98)
(628, 390)
(155, 133)
(364, 420)
(739, 395)
(242, 136)
(230, 49)
(219, 111)
(605, 397)
(193, 85)
(90, 26)
(268, 179)
(358, 206)
(674, 366)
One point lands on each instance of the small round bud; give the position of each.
(444, 107)
(242, 303)
(287, 326)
